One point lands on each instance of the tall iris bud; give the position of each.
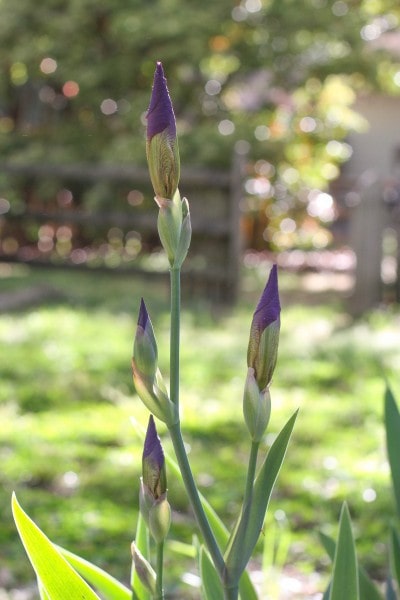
(162, 144)
(147, 378)
(261, 358)
(154, 505)
(163, 159)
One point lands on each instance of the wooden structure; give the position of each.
(372, 207)
(104, 217)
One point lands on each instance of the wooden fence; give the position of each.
(373, 216)
(104, 217)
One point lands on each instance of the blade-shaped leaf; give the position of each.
(212, 588)
(392, 426)
(109, 587)
(345, 573)
(139, 591)
(60, 581)
(221, 533)
(395, 547)
(368, 590)
(42, 592)
(247, 531)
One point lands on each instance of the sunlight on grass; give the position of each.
(69, 450)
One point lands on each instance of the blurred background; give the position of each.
(289, 134)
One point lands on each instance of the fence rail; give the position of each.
(104, 217)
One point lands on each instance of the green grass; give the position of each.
(69, 450)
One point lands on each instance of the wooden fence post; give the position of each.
(366, 234)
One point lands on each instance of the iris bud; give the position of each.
(153, 502)
(144, 570)
(174, 226)
(147, 378)
(261, 359)
(264, 333)
(162, 144)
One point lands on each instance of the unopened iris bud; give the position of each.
(145, 345)
(144, 570)
(147, 378)
(264, 333)
(154, 505)
(162, 144)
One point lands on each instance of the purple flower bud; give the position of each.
(143, 316)
(160, 114)
(145, 346)
(153, 463)
(153, 502)
(264, 332)
(268, 308)
(162, 145)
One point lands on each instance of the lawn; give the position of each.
(69, 449)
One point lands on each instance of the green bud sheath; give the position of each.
(144, 570)
(265, 361)
(160, 519)
(164, 164)
(256, 407)
(169, 225)
(153, 396)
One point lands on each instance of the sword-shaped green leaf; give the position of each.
(59, 580)
(109, 587)
(392, 426)
(395, 548)
(247, 531)
(368, 590)
(211, 584)
(345, 570)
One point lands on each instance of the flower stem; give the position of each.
(159, 571)
(175, 275)
(192, 492)
(251, 473)
(231, 593)
(176, 434)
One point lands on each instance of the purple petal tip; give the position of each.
(143, 315)
(152, 445)
(160, 115)
(269, 308)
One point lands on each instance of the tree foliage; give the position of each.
(271, 78)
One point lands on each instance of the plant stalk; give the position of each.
(175, 275)
(251, 474)
(192, 492)
(231, 593)
(176, 434)
(159, 571)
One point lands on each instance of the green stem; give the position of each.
(159, 572)
(176, 434)
(231, 593)
(192, 492)
(233, 553)
(175, 334)
(251, 473)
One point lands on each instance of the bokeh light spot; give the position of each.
(226, 127)
(108, 106)
(48, 65)
(70, 89)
